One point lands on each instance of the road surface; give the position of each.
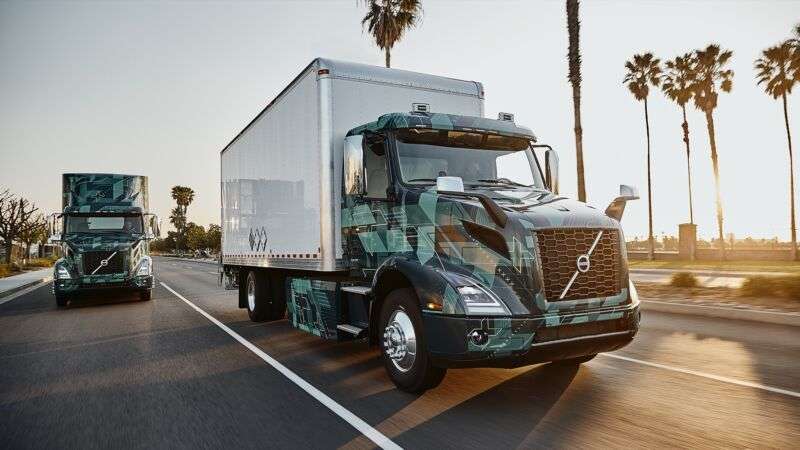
(116, 372)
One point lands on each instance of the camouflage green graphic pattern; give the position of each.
(439, 121)
(104, 192)
(311, 306)
(446, 237)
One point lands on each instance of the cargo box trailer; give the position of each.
(379, 204)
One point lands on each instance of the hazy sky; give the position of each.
(159, 88)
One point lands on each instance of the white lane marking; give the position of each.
(706, 375)
(727, 308)
(366, 429)
(26, 290)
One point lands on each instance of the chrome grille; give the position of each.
(559, 250)
(91, 261)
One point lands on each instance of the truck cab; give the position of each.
(104, 230)
(460, 214)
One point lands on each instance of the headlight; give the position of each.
(62, 273)
(479, 301)
(145, 267)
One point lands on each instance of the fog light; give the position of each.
(479, 337)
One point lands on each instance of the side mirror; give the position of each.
(54, 228)
(617, 206)
(551, 170)
(153, 224)
(354, 181)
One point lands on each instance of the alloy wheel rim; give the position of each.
(400, 341)
(251, 294)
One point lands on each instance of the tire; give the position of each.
(61, 300)
(400, 314)
(262, 300)
(145, 295)
(575, 361)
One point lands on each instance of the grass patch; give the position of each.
(41, 262)
(684, 280)
(781, 287)
(727, 266)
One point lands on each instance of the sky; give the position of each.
(159, 88)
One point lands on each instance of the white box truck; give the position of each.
(379, 204)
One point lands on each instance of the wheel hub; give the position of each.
(400, 341)
(251, 294)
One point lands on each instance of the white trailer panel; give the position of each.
(281, 176)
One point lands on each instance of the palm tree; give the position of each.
(774, 71)
(388, 20)
(574, 58)
(183, 196)
(644, 71)
(677, 86)
(712, 77)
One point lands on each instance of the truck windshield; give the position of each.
(478, 158)
(88, 224)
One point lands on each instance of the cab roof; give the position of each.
(441, 121)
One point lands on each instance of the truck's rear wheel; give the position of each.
(262, 303)
(145, 295)
(403, 347)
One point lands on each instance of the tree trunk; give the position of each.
(9, 248)
(791, 180)
(576, 103)
(573, 60)
(715, 166)
(388, 57)
(685, 127)
(651, 255)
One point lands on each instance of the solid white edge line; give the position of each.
(707, 375)
(22, 292)
(366, 429)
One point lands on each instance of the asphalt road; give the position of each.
(116, 372)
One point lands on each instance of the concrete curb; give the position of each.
(722, 312)
(13, 290)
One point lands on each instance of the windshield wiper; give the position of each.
(505, 181)
(431, 180)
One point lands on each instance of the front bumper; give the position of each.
(515, 342)
(84, 284)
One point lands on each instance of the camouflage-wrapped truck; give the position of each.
(104, 229)
(433, 232)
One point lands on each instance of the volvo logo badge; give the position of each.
(583, 263)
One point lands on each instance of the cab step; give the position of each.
(351, 329)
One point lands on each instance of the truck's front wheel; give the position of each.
(403, 347)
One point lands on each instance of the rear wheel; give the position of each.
(145, 295)
(263, 302)
(403, 347)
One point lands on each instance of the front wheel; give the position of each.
(145, 295)
(61, 300)
(403, 347)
